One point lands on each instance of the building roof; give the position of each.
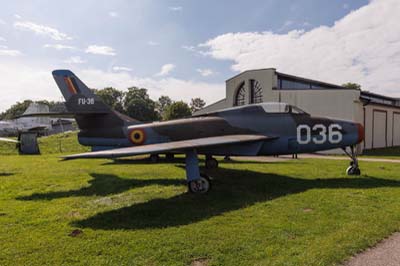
(251, 70)
(370, 97)
(365, 96)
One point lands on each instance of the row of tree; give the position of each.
(135, 102)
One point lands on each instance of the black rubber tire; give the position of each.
(351, 170)
(211, 163)
(205, 183)
(170, 156)
(154, 158)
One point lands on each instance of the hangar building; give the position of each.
(379, 114)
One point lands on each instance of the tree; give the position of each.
(112, 97)
(162, 104)
(138, 105)
(351, 85)
(196, 104)
(177, 110)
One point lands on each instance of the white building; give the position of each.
(379, 114)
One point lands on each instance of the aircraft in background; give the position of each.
(25, 124)
(252, 130)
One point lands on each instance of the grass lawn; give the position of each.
(297, 212)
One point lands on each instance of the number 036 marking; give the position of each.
(331, 133)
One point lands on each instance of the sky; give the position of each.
(187, 49)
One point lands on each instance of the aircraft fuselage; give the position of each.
(289, 132)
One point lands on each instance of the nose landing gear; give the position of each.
(353, 169)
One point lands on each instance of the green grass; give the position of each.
(55, 144)
(296, 212)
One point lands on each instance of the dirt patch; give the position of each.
(199, 262)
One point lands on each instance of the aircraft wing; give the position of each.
(56, 115)
(9, 140)
(171, 146)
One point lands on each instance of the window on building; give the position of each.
(290, 83)
(240, 97)
(256, 92)
(286, 84)
(376, 99)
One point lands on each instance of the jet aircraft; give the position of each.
(251, 130)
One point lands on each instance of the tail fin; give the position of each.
(90, 112)
(79, 98)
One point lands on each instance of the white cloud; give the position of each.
(121, 68)
(166, 69)
(197, 50)
(153, 43)
(16, 77)
(75, 60)
(5, 51)
(189, 48)
(17, 16)
(113, 14)
(59, 47)
(175, 8)
(362, 47)
(2, 39)
(42, 30)
(2, 22)
(205, 72)
(177, 89)
(101, 50)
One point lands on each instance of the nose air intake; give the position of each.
(361, 133)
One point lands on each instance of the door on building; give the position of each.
(379, 129)
(396, 129)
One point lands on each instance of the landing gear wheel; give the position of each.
(169, 156)
(154, 158)
(352, 170)
(211, 163)
(200, 186)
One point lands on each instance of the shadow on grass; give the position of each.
(103, 185)
(6, 174)
(233, 190)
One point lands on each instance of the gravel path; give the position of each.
(386, 253)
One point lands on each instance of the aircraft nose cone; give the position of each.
(361, 133)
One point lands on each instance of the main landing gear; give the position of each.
(201, 185)
(198, 183)
(353, 169)
(211, 163)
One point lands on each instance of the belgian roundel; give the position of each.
(137, 136)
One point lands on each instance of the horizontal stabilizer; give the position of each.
(9, 140)
(56, 115)
(170, 146)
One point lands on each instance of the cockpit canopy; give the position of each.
(276, 107)
(267, 107)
